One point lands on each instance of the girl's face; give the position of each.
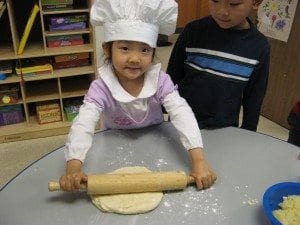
(130, 59)
(232, 13)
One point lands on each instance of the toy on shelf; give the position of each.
(9, 94)
(34, 66)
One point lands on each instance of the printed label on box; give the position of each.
(48, 113)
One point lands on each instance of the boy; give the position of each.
(294, 122)
(221, 63)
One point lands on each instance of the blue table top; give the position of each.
(246, 163)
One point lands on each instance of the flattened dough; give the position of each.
(128, 203)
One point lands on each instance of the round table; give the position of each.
(246, 164)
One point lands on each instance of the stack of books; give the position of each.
(50, 5)
(73, 22)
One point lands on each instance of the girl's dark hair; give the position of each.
(108, 45)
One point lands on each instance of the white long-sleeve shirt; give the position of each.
(120, 110)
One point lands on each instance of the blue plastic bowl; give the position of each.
(274, 195)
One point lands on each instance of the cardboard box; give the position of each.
(48, 112)
(65, 40)
(57, 7)
(58, 20)
(69, 64)
(11, 114)
(56, 4)
(71, 26)
(71, 57)
(63, 43)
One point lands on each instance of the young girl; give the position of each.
(130, 89)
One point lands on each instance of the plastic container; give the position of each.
(274, 196)
(72, 109)
(2, 76)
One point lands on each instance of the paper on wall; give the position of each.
(276, 18)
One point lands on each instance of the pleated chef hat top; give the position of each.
(135, 20)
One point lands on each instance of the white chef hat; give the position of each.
(135, 20)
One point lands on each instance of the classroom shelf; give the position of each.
(58, 85)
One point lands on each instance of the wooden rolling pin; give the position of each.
(133, 182)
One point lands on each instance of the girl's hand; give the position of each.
(201, 171)
(72, 181)
(74, 177)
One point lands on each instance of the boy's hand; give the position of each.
(74, 177)
(201, 171)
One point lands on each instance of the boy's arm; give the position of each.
(255, 91)
(178, 56)
(294, 116)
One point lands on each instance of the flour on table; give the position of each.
(133, 203)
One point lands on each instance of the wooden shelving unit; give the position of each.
(60, 85)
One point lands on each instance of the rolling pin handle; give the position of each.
(53, 186)
(190, 180)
